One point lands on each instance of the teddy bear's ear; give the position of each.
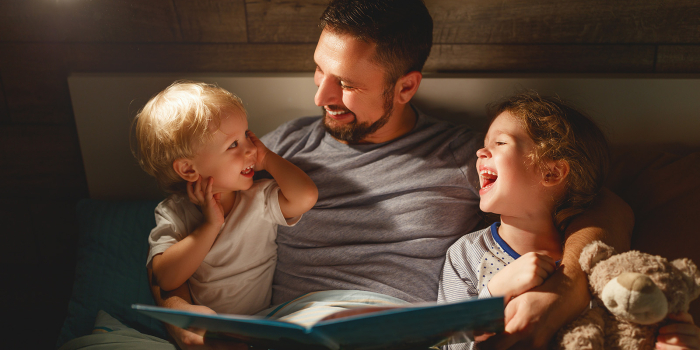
(691, 276)
(593, 253)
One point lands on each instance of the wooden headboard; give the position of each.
(631, 110)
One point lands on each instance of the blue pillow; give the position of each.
(110, 273)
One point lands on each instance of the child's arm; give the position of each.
(523, 274)
(682, 335)
(181, 260)
(298, 193)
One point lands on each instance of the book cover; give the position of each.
(401, 327)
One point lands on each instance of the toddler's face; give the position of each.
(229, 156)
(508, 178)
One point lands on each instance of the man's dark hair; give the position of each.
(401, 29)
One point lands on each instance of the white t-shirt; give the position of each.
(236, 275)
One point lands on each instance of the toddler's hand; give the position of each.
(523, 274)
(682, 335)
(261, 149)
(209, 202)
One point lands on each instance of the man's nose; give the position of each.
(328, 93)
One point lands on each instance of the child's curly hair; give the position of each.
(174, 123)
(561, 132)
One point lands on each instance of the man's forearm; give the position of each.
(610, 220)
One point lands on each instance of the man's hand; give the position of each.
(532, 318)
(193, 338)
(683, 334)
(523, 274)
(187, 338)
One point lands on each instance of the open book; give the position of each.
(400, 327)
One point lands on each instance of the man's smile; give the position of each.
(336, 113)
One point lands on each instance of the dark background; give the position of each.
(43, 41)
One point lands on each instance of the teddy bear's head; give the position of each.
(638, 287)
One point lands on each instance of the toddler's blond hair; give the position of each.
(174, 123)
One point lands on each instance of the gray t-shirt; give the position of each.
(386, 213)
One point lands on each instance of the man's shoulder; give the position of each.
(291, 133)
(303, 124)
(448, 129)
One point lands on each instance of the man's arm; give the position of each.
(180, 299)
(535, 316)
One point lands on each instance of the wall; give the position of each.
(42, 41)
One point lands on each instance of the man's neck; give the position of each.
(402, 121)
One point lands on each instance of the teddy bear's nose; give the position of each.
(635, 297)
(636, 282)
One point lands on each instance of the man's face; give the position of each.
(351, 88)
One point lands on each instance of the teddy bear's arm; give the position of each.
(586, 332)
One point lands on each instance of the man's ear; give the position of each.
(185, 169)
(407, 86)
(556, 174)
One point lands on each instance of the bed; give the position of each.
(653, 124)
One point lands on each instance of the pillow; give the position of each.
(110, 271)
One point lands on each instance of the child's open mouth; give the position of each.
(248, 172)
(488, 178)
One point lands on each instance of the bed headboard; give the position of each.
(631, 110)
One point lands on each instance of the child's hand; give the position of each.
(209, 202)
(682, 335)
(523, 274)
(262, 151)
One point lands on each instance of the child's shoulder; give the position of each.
(261, 188)
(177, 208)
(481, 238)
(175, 203)
(261, 185)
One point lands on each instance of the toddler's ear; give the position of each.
(557, 172)
(184, 168)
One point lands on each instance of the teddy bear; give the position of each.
(632, 294)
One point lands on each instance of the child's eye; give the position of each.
(234, 144)
(500, 143)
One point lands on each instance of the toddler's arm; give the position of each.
(523, 274)
(682, 335)
(180, 261)
(298, 193)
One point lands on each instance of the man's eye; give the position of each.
(346, 87)
(234, 144)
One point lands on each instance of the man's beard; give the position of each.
(355, 132)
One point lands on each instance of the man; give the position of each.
(397, 188)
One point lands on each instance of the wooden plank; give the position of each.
(96, 20)
(120, 21)
(678, 59)
(123, 21)
(565, 22)
(34, 82)
(35, 20)
(212, 21)
(42, 161)
(192, 58)
(541, 58)
(282, 21)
